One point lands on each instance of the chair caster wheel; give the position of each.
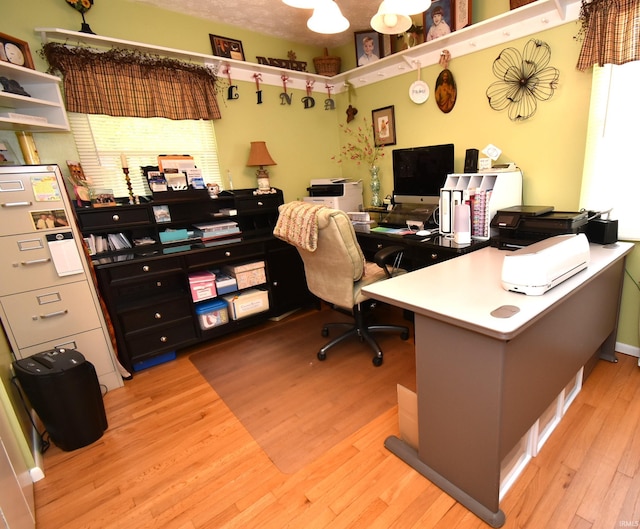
(325, 332)
(322, 356)
(377, 361)
(404, 335)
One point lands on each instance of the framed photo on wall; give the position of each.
(224, 47)
(461, 14)
(369, 47)
(438, 19)
(15, 51)
(384, 126)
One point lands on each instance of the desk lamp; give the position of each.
(259, 157)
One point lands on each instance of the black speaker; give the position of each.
(602, 231)
(471, 161)
(64, 391)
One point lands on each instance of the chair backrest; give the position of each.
(337, 263)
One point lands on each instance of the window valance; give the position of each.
(129, 83)
(611, 32)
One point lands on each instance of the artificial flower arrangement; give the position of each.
(361, 148)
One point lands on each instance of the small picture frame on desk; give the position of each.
(15, 51)
(161, 213)
(102, 198)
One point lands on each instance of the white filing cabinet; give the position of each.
(47, 295)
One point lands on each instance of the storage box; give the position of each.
(212, 313)
(408, 416)
(203, 285)
(154, 361)
(247, 274)
(225, 283)
(247, 303)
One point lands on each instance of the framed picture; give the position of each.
(384, 126)
(438, 20)
(229, 48)
(15, 51)
(48, 219)
(369, 47)
(461, 14)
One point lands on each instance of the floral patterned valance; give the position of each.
(129, 83)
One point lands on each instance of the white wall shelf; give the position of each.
(42, 111)
(526, 20)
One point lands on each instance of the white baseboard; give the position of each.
(630, 350)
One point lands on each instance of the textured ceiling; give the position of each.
(272, 17)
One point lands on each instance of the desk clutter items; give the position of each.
(484, 194)
(520, 226)
(209, 231)
(247, 274)
(202, 285)
(175, 172)
(539, 267)
(212, 313)
(247, 303)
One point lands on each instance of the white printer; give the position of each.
(336, 193)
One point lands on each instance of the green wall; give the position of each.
(549, 147)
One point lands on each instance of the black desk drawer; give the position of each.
(113, 218)
(256, 204)
(218, 256)
(167, 338)
(159, 313)
(144, 268)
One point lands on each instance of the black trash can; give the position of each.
(63, 389)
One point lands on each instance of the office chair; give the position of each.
(336, 269)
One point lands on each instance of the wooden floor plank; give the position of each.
(174, 456)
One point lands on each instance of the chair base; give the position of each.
(364, 332)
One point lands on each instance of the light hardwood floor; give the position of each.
(174, 456)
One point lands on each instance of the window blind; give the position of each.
(610, 179)
(101, 140)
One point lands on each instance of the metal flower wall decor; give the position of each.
(525, 79)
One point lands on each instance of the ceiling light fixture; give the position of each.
(389, 20)
(327, 18)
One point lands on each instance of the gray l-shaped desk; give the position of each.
(482, 381)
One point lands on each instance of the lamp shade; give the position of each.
(259, 155)
(389, 20)
(327, 18)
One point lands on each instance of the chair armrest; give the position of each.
(391, 255)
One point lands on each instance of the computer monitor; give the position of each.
(420, 172)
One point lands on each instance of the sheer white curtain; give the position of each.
(611, 178)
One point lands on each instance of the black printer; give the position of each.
(520, 226)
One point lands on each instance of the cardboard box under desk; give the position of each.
(247, 274)
(246, 303)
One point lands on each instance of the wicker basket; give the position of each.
(326, 65)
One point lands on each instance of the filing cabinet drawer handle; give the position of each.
(146, 268)
(116, 217)
(227, 254)
(54, 314)
(260, 203)
(16, 204)
(36, 261)
(163, 339)
(157, 316)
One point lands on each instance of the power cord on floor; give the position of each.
(45, 441)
